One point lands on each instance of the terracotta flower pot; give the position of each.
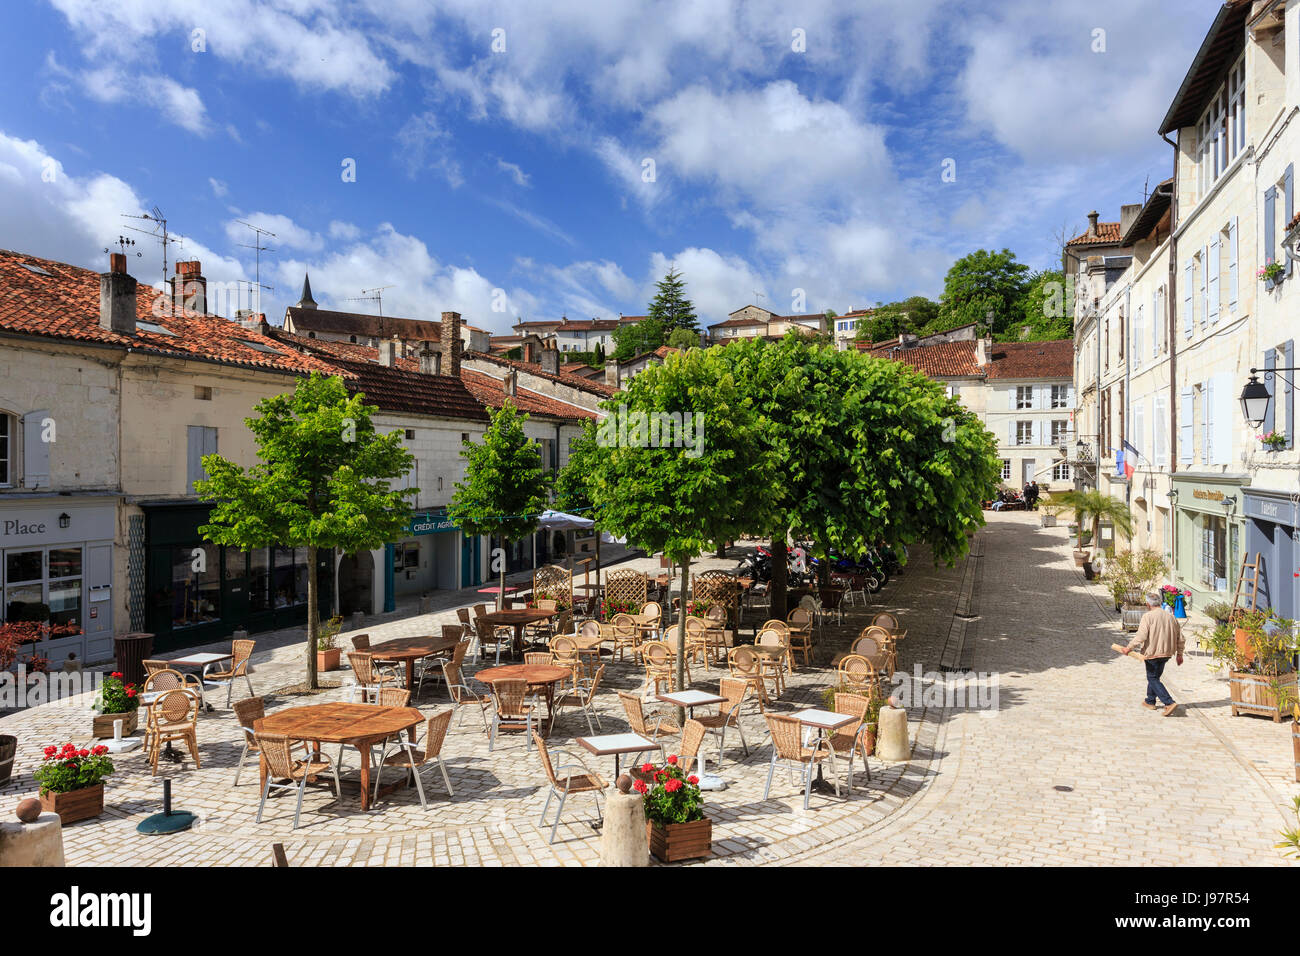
(75, 805)
(1242, 637)
(102, 726)
(670, 842)
(328, 660)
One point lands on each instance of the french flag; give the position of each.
(1130, 459)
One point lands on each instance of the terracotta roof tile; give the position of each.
(1052, 359)
(944, 360)
(491, 392)
(595, 388)
(1107, 233)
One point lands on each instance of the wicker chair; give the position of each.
(626, 634)
(161, 682)
(489, 635)
(651, 615)
(697, 640)
(174, 716)
(152, 666)
(688, 751)
(744, 665)
(542, 631)
(392, 697)
(656, 727)
(569, 779)
(369, 677)
(247, 712)
(788, 747)
(775, 668)
(282, 766)
(411, 759)
(660, 665)
(886, 620)
(462, 695)
(582, 696)
(859, 674)
(852, 738)
(511, 709)
(728, 714)
(564, 653)
(431, 664)
(240, 652)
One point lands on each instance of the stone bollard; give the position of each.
(239, 635)
(426, 604)
(623, 840)
(358, 620)
(891, 738)
(39, 843)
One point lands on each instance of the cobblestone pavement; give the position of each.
(981, 787)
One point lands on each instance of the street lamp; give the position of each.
(1254, 400)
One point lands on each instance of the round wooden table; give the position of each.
(545, 676)
(518, 618)
(360, 725)
(410, 649)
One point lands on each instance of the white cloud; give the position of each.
(424, 144)
(716, 283)
(219, 188)
(543, 225)
(178, 104)
(287, 234)
(343, 230)
(514, 172)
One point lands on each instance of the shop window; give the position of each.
(290, 577)
(406, 556)
(259, 580)
(196, 585)
(1006, 469)
(7, 431)
(1213, 570)
(42, 588)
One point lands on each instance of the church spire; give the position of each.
(306, 302)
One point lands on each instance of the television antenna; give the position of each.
(124, 244)
(155, 215)
(259, 233)
(375, 295)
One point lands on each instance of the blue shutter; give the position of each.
(1212, 274)
(1185, 427)
(1232, 266)
(1188, 278)
(1270, 362)
(1288, 208)
(1288, 359)
(1270, 217)
(36, 451)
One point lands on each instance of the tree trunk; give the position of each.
(501, 581)
(597, 530)
(313, 617)
(777, 588)
(681, 639)
(824, 571)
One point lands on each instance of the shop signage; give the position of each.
(1280, 512)
(1207, 495)
(13, 527)
(430, 524)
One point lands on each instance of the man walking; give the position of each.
(1033, 495)
(1158, 638)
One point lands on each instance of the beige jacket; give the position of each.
(1158, 635)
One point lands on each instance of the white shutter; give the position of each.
(1188, 278)
(1160, 430)
(1038, 438)
(1186, 426)
(1011, 398)
(1212, 271)
(1135, 439)
(1069, 396)
(1208, 408)
(1139, 333)
(1232, 265)
(1012, 439)
(1157, 326)
(1201, 287)
(1222, 401)
(36, 451)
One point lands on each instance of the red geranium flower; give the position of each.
(692, 779)
(130, 692)
(83, 752)
(51, 751)
(647, 768)
(672, 786)
(672, 758)
(115, 674)
(639, 786)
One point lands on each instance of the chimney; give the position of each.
(388, 352)
(511, 383)
(1092, 223)
(611, 372)
(430, 360)
(1128, 215)
(983, 351)
(189, 288)
(449, 344)
(530, 350)
(551, 361)
(117, 297)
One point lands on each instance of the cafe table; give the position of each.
(203, 661)
(357, 725)
(543, 676)
(605, 745)
(518, 618)
(823, 720)
(408, 650)
(496, 589)
(690, 699)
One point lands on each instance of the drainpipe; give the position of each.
(1173, 361)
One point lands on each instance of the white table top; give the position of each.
(826, 719)
(196, 660)
(602, 745)
(691, 698)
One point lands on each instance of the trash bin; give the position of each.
(131, 651)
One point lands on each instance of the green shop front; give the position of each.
(197, 591)
(1209, 533)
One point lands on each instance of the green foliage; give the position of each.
(1291, 837)
(572, 490)
(670, 307)
(1046, 311)
(505, 487)
(983, 284)
(1270, 646)
(115, 696)
(327, 633)
(324, 480)
(644, 336)
(684, 339)
(1218, 610)
(915, 314)
(1091, 505)
(670, 796)
(1135, 571)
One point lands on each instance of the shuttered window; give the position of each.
(1186, 426)
(201, 441)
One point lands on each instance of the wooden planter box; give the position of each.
(75, 805)
(680, 841)
(328, 660)
(103, 723)
(1251, 693)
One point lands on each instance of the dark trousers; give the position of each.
(1156, 689)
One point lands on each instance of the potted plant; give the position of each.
(72, 781)
(676, 826)
(115, 701)
(1132, 573)
(609, 608)
(1273, 441)
(1271, 271)
(327, 652)
(1259, 650)
(1090, 506)
(872, 721)
(1219, 611)
(697, 608)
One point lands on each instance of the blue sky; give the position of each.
(511, 182)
